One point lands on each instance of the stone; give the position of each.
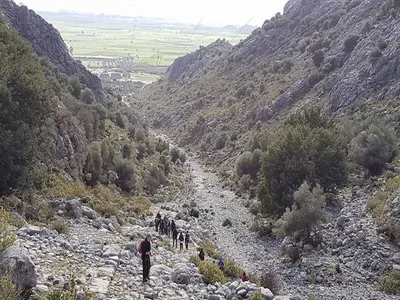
(133, 247)
(89, 213)
(112, 250)
(396, 258)
(97, 223)
(242, 292)
(194, 212)
(73, 208)
(31, 230)
(340, 222)
(20, 266)
(181, 274)
(214, 297)
(266, 293)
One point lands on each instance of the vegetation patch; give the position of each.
(390, 283)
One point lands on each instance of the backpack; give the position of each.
(140, 246)
(187, 237)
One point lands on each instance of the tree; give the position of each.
(350, 43)
(318, 57)
(373, 147)
(305, 215)
(87, 96)
(308, 148)
(27, 99)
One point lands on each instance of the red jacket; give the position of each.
(245, 278)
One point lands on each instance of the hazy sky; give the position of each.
(216, 12)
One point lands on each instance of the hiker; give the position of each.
(161, 226)
(221, 264)
(187, 239)
(245, 277)
(169, 228)
(173, 226)
(201, 254)
(157, 222)
(145, 248)
(181, 239)
(175, 238)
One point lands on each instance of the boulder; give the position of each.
(16, 261)
(181, 274)
(266, 293)
(89, 213)
(74, 208)
(161, 270)
(194, 212)
(340, 222)
(32, 230)
(396, 258)
(112, 250)
(214, 297)
(133, 247)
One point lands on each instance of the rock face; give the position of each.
(46, 41)
(16, 261)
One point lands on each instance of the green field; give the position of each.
(153, 42)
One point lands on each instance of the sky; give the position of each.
(211, 12)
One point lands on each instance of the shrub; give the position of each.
(120, 120)
(6, 238)
(59, 226)
(390, 283)
(245, 181)
(94, 164)
(257, 295)
(350, 43)
(126, 175)
(182, 157)
(271, 281)
(75, 86)
(318, 58)
(210, 249)
(211, 273)
(309, 147)
(87, 96)
(374, 54)
(248, 163)
(8, 290)
(305, 214)
(220, 142)
(231, 269)
(141, 151)
(126, 151)
(175, 153)
(373, 147)
(140, 135)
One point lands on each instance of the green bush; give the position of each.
(373, 147)
(59, 226)
(75, 86)
(8, 290)
(350, 43)
(87, 96)
(210, 249)
(28, 99)
(248, 163)
(257, 296)
(6, 238)
(318, 58)
(304, 216)
(309, 147)
(94, 164)
(390, 283)
(126, 175)
(232, 270)
(211, 273)
(175, 153)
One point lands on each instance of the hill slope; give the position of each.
(341, 55)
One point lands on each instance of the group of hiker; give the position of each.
(164, 226)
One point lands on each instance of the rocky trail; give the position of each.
(102, 255)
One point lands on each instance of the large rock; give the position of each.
(89, 213)
(194, 212)
(16, 261)
(181, 274)
(267, 294)
(32, 230)
(74, 208)
(112, 250)
(133, 247)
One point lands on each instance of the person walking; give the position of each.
(245, 277)
(187, 239)
(145, 250)
(173, 226)
(175, 238)
(201, 254)
(181, 239)
(221, 264)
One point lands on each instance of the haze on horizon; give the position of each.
(212, 12)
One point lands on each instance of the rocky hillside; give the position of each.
(47, 42)
(342, 55)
